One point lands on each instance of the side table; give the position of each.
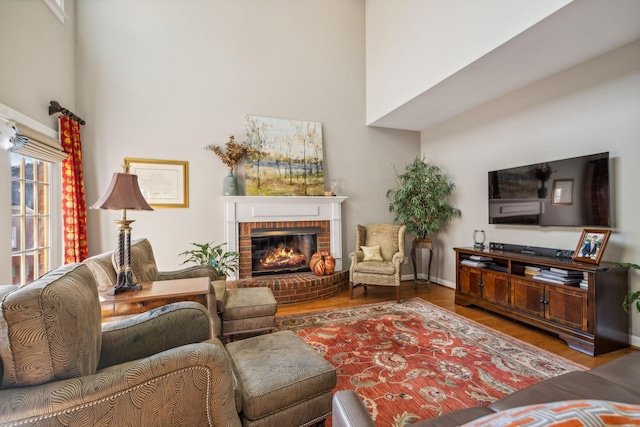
(421, 244)
(155, 294)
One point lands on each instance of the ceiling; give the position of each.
(582, 30)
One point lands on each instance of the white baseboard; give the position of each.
(437, 280)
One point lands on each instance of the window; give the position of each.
(30, 218)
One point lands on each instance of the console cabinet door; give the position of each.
(567, 306)
(495, 287)
(527, 297)
(470, 281)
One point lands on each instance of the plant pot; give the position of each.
(422, 243)
(542, 192)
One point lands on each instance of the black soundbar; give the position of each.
(531, 250)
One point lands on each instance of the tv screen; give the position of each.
(567, 192)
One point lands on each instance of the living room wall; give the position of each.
(588, 109)
(414, 45)
(160, 79)
(37, 66)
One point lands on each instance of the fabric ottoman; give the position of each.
(248, 311)
(283, 381)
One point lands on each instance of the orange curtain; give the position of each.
(74, 209)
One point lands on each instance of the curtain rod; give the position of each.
(55, 107)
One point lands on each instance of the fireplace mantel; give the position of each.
(239, 209)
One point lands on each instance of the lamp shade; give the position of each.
(123, 193)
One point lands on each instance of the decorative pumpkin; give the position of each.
(322, 263)
(314, 259)
(329, 265)
(319, 268)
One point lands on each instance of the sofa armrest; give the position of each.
(188, 385)
(189, 272)
(347, 410)
(157, 330)
(6, 289)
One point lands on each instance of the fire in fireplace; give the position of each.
(282, 250)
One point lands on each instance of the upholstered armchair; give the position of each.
(378, 257)
(59, 367)
(143, 265)
(144, 268)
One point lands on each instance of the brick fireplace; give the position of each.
(246, 214)
(247, 231)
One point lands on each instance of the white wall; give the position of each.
(37, 66)
(161, 79)
(591, 108)
(414, 45)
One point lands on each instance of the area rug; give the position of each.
(415, 360)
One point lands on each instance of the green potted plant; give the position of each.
(215, 256)
(631, 297)
(542, 173)
(419, 201)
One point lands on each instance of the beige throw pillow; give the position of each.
(371, 253)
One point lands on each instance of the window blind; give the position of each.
(29, 142)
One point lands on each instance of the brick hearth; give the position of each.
(297, 287)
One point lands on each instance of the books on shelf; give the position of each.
(568, 278)
(531, 271)
(473, 263)
(548, 279)
(563, 272)
(584, 283)
(480, 258)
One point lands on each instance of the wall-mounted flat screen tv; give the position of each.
(568, 192)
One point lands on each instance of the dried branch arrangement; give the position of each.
(234, 152)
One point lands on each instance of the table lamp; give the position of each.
(123, 193)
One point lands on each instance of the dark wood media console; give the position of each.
(590, 320)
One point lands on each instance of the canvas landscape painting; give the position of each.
(285, 158)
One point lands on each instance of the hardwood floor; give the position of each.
(443, 297)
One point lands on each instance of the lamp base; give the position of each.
(124, 283)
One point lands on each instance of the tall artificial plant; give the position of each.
(419, 201)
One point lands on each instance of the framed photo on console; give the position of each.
(591, 245)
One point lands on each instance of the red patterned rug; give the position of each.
(415, 360)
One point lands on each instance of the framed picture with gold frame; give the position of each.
(562, 193)
(163, 183)
(591, 245)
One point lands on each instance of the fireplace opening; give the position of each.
(282, 250)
